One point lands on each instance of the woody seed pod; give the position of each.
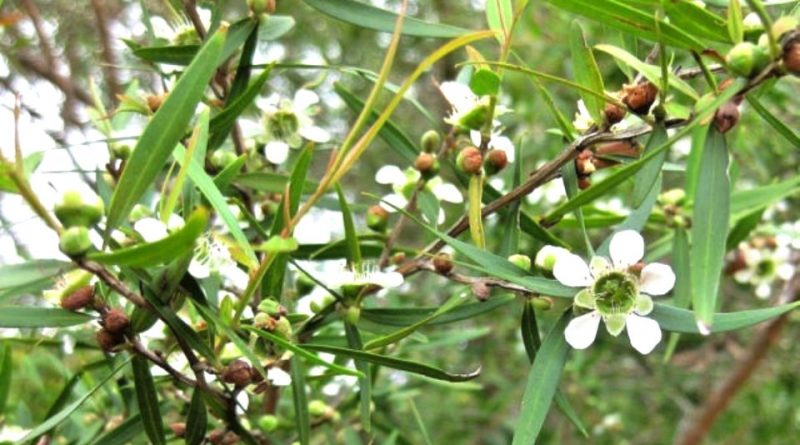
(115, 321)
(108, 340)
(237, 372)
(639, 98)
(496, 160)
(469, 160)
(443, 263)
(613, 114)
(79, 299)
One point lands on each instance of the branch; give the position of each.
(107, 51)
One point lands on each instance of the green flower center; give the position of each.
(765, 268)
(615, 293)
(282, 125)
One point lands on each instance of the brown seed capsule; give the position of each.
(584, 163)
(115, 321)
(726, 117)
(398, 258)
(377, 218)
(469, 160)
(639, 98)
(216, 436)
(154, 101)
(179, 429)
(230, 438)
(424, 163)
(255, 376)
(613, 113)
(791, 56)
(108, 340)
(443, 263)
(584, 183)
(619, 148)
(238, 373)
(496, 160)
(481, 290)
(79, 299)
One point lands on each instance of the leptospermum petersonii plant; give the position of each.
(236, 270)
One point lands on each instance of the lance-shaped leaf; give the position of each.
(410, 316)
(649, 176)
(301, 415)
(587, 73)
(40, 317)
(650, 72)
(159, 252)
(16, 275)
(147, 400)
(364, 383)
(710, 221)
(196, 419)
(542, 384)
(499, 15)
(164, 131)
(674, 319)
(396, 363)
(371, 17)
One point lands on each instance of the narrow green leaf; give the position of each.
(147, 400)
(569, 177)
(270, 182)
(586, 72)
(396, 363)
(398, 335)
(681, 251)
(217, 200)
(743, 227)
(222, 123)
(164, 131)
(301, 416)
(366, 16)
(123, 434)
(274, 26)
(735, 25)
(159, 252)
(40, 317)
(485, 82)
(499, 16)
(196, 419)
(649, 71)
(224, 178)
(410, 316)
(710, 220)
(697, 21)
(350, 236)
(364, 383)
(744, 202)
(55, 420)
(475, 207)
(674, 319)
(693, 167)
(649, 176)
(784, 130)
(542, 384)
(6, 368)
(16, 275)
(185, 54)
(179, 327)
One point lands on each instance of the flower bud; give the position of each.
(259, 7)
(79, 299)
(303, 285)
(542, 303)
(283, 328)
(75, 241)
(121, 151)
(116, 321)
(547, 256)
(352, 314)
(783, 25)
(398, 258)
(139, 211)
(469, 160)
(108, 340)
(377, 218)
(317, 408)
(443, 263)
(237, 373)
(317, 306)
(752, 26)
(613, 114)
(672, 197)
(741, 59)
(791, 56)
(178, 428)
(476, 117)
(79, 209)
(230, 438)
(271, 307)
(521, 261)
(263, 321)
(154, 101)
(427, 165)
(430, 141)
(726, 117)
(223, 158)
(496, 160)
(640, 97)
(268, 423)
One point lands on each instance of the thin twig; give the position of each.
(107, 51)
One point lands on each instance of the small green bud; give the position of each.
(268, 423)
(377, 218)
(259, 7)
(352, 315)
(263, 321)
(475, 119)
(79, 209)
(121, 151)
(75, 241)
(303, 285)
(430, 141)
(741, 59)
(672, 197)
(317, 408)
(521, 261)
(223, 158)
(752, 26)
(542, 303)
(546, 257)
(427, 165)
(318, 306)
(351, 291)
(283, 328)
(271, 307)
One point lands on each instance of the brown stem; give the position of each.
(107, 51)
(703, 418)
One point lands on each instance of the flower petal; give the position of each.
(279, 377)
(276, 152)
(304, 99)
(388, 279)
(644, 304)
(626, 248)
(581, 331)
(763, 290)
(151, 229)
(199, 269)
(315, 134)
(571, 270)
(394, 199)
(459, 95)
(390, 175)
(643, 332)
(449, 193)
(656, 279)
(585, 299)
(599, 266)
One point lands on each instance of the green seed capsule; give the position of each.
(75, 241)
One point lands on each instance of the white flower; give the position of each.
(213, 257)
(762, 266)
(583, 120)
(367, 275)
(496, 142)
(404, 182)
(614, 294)
(547, 257)
(288, 122)
(153, 229)
(278, 377)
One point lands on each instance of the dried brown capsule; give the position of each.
(791, 56)
(116, 321)
(426, 164)
(496, 160)
(613, 113)
(443, 263)
(469, 160)
(481, 290)
(237, 372)
(79, 299)
(108, 340)
(726, 117)
(216, 436)
(584, 183)
(255, 376)
(639, 98)
(230, 438)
